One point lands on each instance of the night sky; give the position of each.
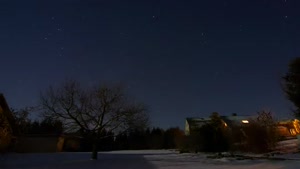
(181, 57)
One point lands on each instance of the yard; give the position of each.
(141, 159)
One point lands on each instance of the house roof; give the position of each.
(229, 120)
(196, 120)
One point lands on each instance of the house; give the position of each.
(5, 110)
(193, 123)
(10, 140)
(289, 127)
(286, 128)
(6, 124)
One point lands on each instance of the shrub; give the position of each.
(261, 134)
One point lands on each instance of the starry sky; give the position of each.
(183, 58)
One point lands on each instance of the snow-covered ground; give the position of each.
(288, 146)
(147, 159)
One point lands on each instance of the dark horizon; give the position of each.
(183, 59)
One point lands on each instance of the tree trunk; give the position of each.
(95, 151)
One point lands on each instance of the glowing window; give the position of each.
(245, 121)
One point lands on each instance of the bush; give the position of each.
(206, 139)
(173, 138)
(256, 138)
(261, 135)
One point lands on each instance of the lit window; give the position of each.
(293, 132)
(245, 121)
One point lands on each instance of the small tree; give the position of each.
(291, 85)
(93, 110)
(157, 138)
(261, 133)
(220, 138)
(21, 121)
(173, 138)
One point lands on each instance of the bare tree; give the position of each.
(93, 110)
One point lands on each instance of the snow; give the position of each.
(288, 146)
(140, 159)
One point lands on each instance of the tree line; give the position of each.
(136, 139)
(132, 139)
(24, 126)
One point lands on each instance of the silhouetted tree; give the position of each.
(211, 137)
(220, 139)
(121, 142)
(157, 138)
(261, 133)
(137, 139)
(35, 128)
(173, 138)
(291, 85)
(93, 110)
(22, 121)
(51, 126)
(106, 143)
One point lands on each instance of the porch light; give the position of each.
(245, 121)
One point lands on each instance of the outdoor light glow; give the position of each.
(245, 121)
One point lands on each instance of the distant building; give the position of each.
(5, 110)
(289, 128)
(6, 124)
(193, 123)
(286, 128)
